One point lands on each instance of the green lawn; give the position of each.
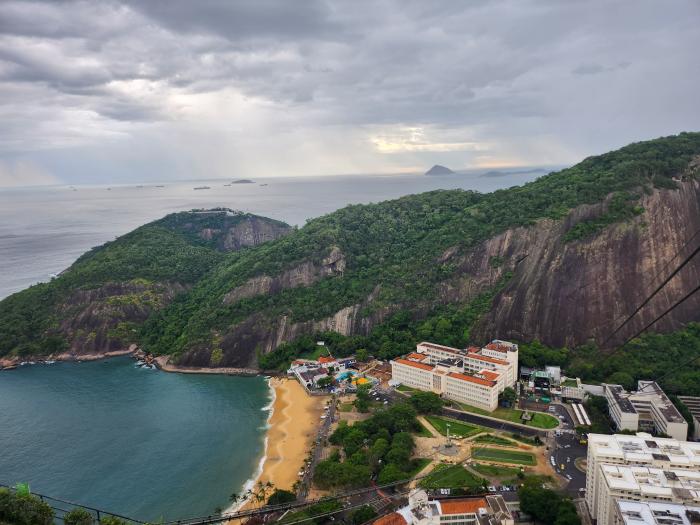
(423, 432)
(408, 389)
(451, 476)
(346, 407)
(418, 465)
(570, 382)
(457, 428)
(494, 440)
(505, 456)
(495, 471)
(539, 419)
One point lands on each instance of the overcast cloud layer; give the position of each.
(164, 89)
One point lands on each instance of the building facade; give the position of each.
(642, 450)
(475, 376)
(647, 409)
(652, 513)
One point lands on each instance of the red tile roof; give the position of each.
(325, 359)
(490, 375)
(487, 359)
(391, 519)
(498, 348)
(417, 356)
(415, 364)
(462, 506)
(472, 379)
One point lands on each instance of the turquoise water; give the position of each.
(142, 443)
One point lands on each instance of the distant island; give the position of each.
(243, 181)
(439, 170)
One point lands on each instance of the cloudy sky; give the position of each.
(105, 92)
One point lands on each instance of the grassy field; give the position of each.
(494, 440)
(423, 432)
(345, 407)
(451, 476)
(513, 415)
(418, 465)
(495, 471)
(457, 428)
(505, 456)
(408, 389)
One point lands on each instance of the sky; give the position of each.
(125, 91)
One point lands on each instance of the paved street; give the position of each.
(317, 453)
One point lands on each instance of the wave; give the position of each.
(250, 482)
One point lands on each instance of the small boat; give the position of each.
(49, 362)
(202, 188)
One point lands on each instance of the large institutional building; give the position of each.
(639, 468)
(474, 376)
(647, 409)
(637, 512)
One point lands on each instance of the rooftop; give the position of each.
(653, 513)
(472, 379)
(618, 394)
(693, 404)
(415, 364)
(486, 359)
(640, 449)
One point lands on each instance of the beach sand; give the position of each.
(296, 417)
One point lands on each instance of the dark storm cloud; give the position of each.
(519, 77)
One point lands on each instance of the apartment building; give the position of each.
(652, 513)
(641, 450)
(646, 484)
(486, 510)
(474, 376)
(647, 409)
(693, 405)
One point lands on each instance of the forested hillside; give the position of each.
(536, 262)
(97, 303)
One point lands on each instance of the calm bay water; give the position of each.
(142, 443)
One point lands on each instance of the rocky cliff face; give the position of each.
(304, 274)
(237, 231)
(565, 293)
(561, 293)
(101, 320)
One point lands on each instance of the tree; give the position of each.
(426, 402)
(362, 400)
(324, 382)
(362, 515)
(362, 355)
(280, 496)
(509, 396)
(621, 378)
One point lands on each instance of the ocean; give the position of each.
(142, 443)
(43, 230)
(137, 442)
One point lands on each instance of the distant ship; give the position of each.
(202, 188)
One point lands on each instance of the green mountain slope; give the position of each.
(121, 282)
(529, 262)
(352, 269)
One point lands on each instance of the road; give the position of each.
(317, 452)
(564, 449)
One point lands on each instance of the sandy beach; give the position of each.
(295, 420)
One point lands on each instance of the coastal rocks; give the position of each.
(304, 274)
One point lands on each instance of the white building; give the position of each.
(641, 450)
(486, 510)
(693, 405)
(643, 484)
(474, 376)
(651, 513)
(647, 409)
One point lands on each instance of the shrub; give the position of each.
(24, 509)
(78, 516)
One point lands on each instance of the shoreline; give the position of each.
(292, 428)
(12, 362)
